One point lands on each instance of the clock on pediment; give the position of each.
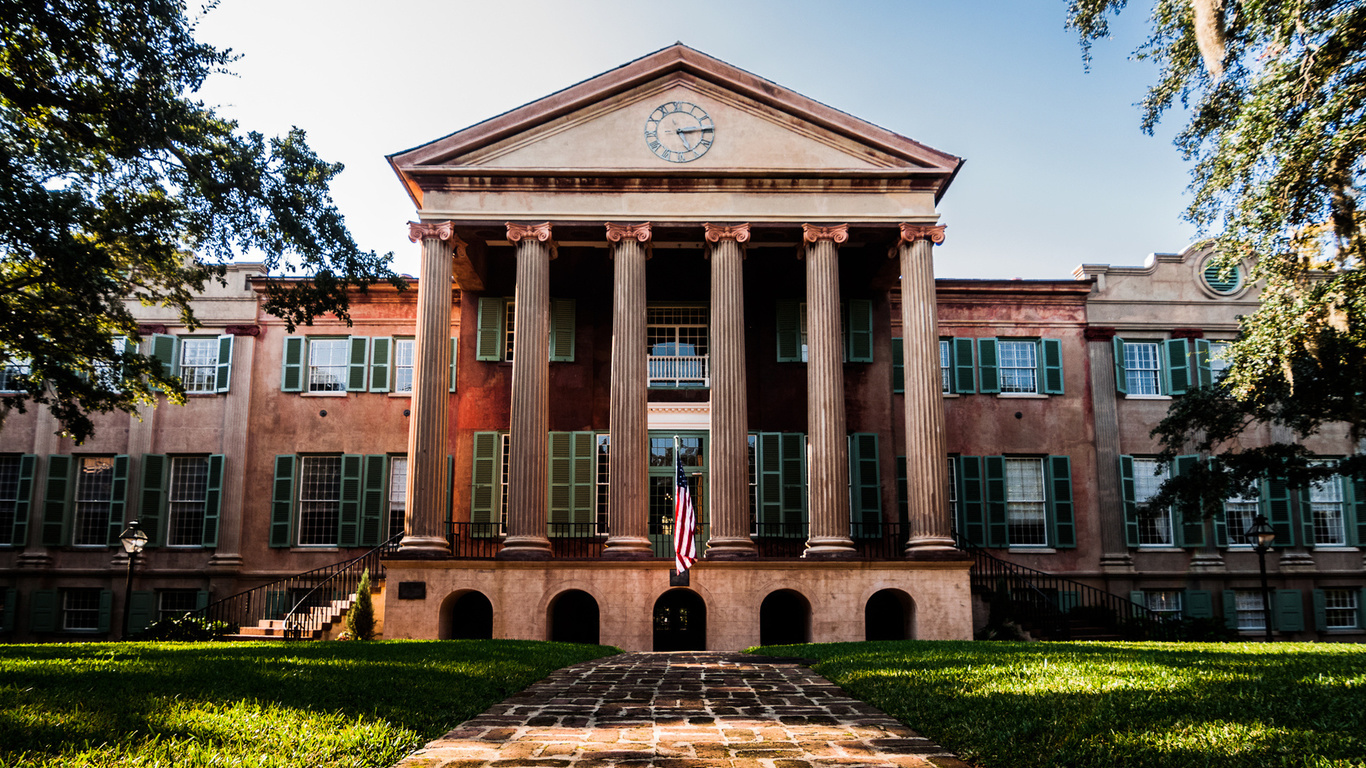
(679, 132)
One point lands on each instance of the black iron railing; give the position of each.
(780, 540)
(1054, 607)
(880, 540)
(301, 601)
(483, 541)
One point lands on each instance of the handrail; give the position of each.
(271, 601)
(295, 623)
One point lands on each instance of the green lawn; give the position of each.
(1102, 705)
(253, 704)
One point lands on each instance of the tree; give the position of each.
(1276, 93)
(360, 620)
(116, 184)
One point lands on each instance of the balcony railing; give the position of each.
(483, 541)
(678, 371)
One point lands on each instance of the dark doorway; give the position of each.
(574, 618)
(680, 621)
(784, 618)
(887, 616)
(472, 617)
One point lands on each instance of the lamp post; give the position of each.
(1261, 534)
(133, 539)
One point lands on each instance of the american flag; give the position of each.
(685, 522)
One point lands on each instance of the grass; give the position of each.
(1101, 705)
(253, 704)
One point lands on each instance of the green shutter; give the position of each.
(1060, 504)
(142, 611)
(865, 484)
(859, 331)
(381, 349)
(1289, 610)
(213, 500)
(455, 356)
(1275, 504)
(165, 349)
(898, 367)
(1178, 366)
(1361, 608)
(770, 480)
(292, 365)
(490, 329)
(372, 515)
(282, 501)
(971, 500)
(963, 356)
(57, 500)
(561, 478)
(1121, 379)
(572, 481)
(42, 610)
(903, 502)
(1138, 598)
(788, 330)
(484, 486)
(1198, 604)
(1230, 609)
(1127, 495)
(23, 501)
(794, 480)
(118, 502)
(562, 330)
(152, 506)
(584, 502)
(348, 520)
(988, 373)
(201, 599)
(1190, 522)
(1356, 529)
(223, 380)
(11, 597)
(1052, 367)
(1201, 373)
(358, 363)
(450, 488)
(998, 529)
(1320, 610)
(106, 608)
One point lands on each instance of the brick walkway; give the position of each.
(682, 710)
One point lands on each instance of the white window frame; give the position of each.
(953, 492)
(200, 376)
(400, 344)
(312, 502)
(504, 470)
(70, 611)
(1340, 610)
(1251, 611)
(678, 370)
(1136, 375)
(1017, 378)
(1245, 511)
(86, 502)
(182, 501)
(319, 377)
(12, 369)
(945, 367)
(398, 494)
(602, 448)
(508, 336)
(1155, 527)
(1327, 510)
(1024, 511)
(1167, 603)
(1218, 363)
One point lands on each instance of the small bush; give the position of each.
(360, 620)
(186, 628)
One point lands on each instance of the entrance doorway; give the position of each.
(680, 621)
(693, 454)
(574, 618)
(472, 617)
(784, 619)
(887, 616)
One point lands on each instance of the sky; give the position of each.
(1057, 171)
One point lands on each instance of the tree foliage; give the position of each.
(360, 620)
(117, 185)
(1275, 92)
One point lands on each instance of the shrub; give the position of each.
(187, 628)
(360, 620)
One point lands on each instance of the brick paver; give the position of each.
(682, 710)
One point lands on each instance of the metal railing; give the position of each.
(483, 541)
(1054, 606)
(301, 601)
(678, 370)
(779, 540)
(880, 540)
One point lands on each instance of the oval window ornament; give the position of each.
(1223, 281)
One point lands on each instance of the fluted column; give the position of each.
(1114, 552)
(828, 466)
(927, 447)
(729, 459)
(424, 520)
(530, 428)
(628, 496)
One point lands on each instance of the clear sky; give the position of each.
(1057, 173)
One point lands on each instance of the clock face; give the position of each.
(679, 132)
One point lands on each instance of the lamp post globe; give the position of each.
(133, 540)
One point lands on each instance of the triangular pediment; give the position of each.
(600, 126)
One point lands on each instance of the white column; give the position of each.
(628, 494)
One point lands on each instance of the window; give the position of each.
(945, 367)
(1019, 364)
(81, 610)
(12, 375)
(953, 488)
(9, 497)
(94, 497)
(1239, 513)
(496, 337)
(1325, 507)
(752, 451)
(1142, 368)
(1340, 609)
(319, 500)
(1025, 504)
(1166, 603)
(398, 493)
(1218, 358)
(677, 347)
(173, 603)
(327, 365)
(604, 443)
(1251, 611)
(1010, 366)
(1223, 282)
(186, 500)
(856, 329)
(504, 471)
(108, 375)
(403, 364)
(509, 315)
(199, 365)
(1154, 525)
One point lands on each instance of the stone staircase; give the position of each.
(324, 620)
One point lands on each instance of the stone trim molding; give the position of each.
(913, 232)
(838, 233)
(516, 232)
(1098, 333)
(1188, 333)
(421, 230)
(618, 232)
(715, 233)
(243, 330)
(147, 330)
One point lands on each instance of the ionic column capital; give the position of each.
(424, 230)
(811, 233)
(715, 233)
(517, 232)
(618, 232)
(913, 232)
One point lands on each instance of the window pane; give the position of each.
(1340, 608)
(199, 365)
(403, 365)
(319, 500)
(1142, 371)
(175, 602)
(185, 501)
(81, 609)
(398, 493)
(1025, 512)
(1154, 526)
(94, 492)
(1325, 502)
(1018, 366)
(677, 346)
(1166, 602)
(327, 365)
(945, 374)
(1250, 610)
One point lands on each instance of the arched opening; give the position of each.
(784, 618)
(680, 621)
(574, 618)
(887, 616)
(471, 617)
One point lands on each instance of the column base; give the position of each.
(225, 562)
(736, 548)
(926, 544)
(1117, 563)
(423, 548)
(1207, 562)
(628, 548)
(525, 548)
(829, 548)
(34, 560)
(1296, 562)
